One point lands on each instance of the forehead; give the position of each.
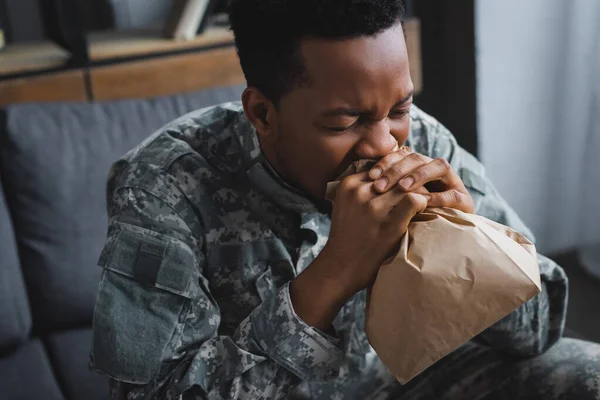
(354, 69)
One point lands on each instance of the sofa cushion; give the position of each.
(69, 352)
(26, 375)
(15, 319)
(54, 161)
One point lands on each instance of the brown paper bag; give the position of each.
(454, 275)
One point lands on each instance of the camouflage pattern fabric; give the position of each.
(203, 240)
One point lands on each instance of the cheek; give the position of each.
(317, 158)
(321, 151)
(329, 152)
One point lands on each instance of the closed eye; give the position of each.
(339, 129)
(399, 113)
(395, 113)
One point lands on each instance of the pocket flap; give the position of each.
(471, 172)
(265, 285)
(150, 258)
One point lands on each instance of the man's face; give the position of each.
(356, 106)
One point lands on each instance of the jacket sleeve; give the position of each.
(156, 324)
(539, 323)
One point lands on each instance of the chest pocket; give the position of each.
(242, 276)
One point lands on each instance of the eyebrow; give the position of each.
(345, 111)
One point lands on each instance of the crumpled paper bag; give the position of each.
(454, 275)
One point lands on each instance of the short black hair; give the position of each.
(268, 34)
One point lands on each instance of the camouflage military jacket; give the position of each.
(203, 240)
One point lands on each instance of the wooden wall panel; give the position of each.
(158, 75)
(167, 75)
(115, 45)
(62, 86)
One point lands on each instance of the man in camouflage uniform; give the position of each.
(227, 276)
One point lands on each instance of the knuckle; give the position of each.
(349, 184)
(373, 206)
(383, 164)
(345, 186)
(420, 202)
(422, 190)
(388, 161)
(446, 198)
(442, 164)
(456, 196)
(419, 174)
(396, 169)
(363, 192)
(411, 200)
(416, 157)
(451, 197)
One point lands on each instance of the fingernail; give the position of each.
(375, 173)
(427, 196)
(407, 182)
(381, 183)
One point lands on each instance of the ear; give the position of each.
(259, 110)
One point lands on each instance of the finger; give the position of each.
(383, 204)
(387, 162)
(420, 190)
(399, 170)
(357, 186)
(438, 169)
(353, 181)
(410, 205)
(365, 192)
(452, 199)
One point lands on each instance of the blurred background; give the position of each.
(81, 82)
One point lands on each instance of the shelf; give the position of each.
(125, 44)
(167, 75)
(60, 86)
(104, 47)
(133, 64)
(30, 57)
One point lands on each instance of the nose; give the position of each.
(377, 141)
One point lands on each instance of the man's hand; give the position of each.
(366, 228)
(412, 171)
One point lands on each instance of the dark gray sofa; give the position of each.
(54, 160)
